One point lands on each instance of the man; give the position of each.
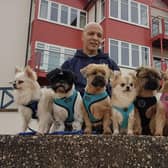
(92, 37)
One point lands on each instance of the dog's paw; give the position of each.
(76, 126)
(88, 131)
(107, 131)
(130, 132)
(116, 132)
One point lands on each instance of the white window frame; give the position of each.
(46, 51)
(129, 13)
(59, 15)
(130, 53)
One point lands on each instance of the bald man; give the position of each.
(91, 37)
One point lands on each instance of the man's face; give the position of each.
(92, 38)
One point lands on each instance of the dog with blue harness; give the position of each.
(96, 102)
(66, 101)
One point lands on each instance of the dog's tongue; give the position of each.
(60, 89)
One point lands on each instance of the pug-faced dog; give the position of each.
(159, 123)
(148, 80)
(96, 102)
(66, 101)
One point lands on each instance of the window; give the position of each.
(143, 12)
(54, 12)
(82, 19)
(51, 56)
(124, 53)
(134, 12)
(129, 11)
(73, 19)
(114, 50)
(64, 14)
(102, 9)
(124, 10)
(61, 14)
(135, 55)
(44, 9)
(114, 8)
(128, 54)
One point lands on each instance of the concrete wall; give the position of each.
(82, 151)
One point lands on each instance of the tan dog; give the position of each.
(97, 107)
(159, 122)
(148, 80)
(123, 95)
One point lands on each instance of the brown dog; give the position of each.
(97, 107)
(148, 80)
(159, 123)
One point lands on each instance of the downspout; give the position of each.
(28, 33)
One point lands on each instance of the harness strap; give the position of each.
(125, 113)
(89, 99)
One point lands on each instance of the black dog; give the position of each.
(66, 102)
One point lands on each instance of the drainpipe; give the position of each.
(28, 34)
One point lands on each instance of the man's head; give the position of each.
(92, 38)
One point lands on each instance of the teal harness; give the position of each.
(125, 113)
(68, 103)
(89, 99)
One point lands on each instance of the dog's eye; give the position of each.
(122, 84)
(20, 81)
(131, 84)
(94, 73)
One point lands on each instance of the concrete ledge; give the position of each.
(82, 151)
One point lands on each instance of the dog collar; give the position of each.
(125, 113)
(89, 99)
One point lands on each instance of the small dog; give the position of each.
(66, 101)
(96, 102)
(148, 80)
(123, 95)
(159, 123)
(26, 94)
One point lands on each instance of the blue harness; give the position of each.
(125, 113)
(89, 99)
(33, 106)
(68, 103)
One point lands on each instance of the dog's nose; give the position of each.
(127, 88)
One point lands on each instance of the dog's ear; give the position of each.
(51, 75)
(115, 76)
(17, 70)
(138, 70)
(30, 73)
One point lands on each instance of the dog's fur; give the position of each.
(97, 76)
(148, 80)
(62, 84)
(26, 89)
(159, 124)
(123, 95)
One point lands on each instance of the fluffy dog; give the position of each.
(66, 101)
(123, 95)
(26, 94)
(96, 102)
(148, 80)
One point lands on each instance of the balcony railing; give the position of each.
(159, 26)
(46, 60)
